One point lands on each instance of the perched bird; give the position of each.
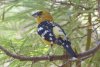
(51, 32)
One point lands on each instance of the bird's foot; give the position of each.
(50, 50)
(49, 53)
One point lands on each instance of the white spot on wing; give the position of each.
(50, 34)
(67, 46)
(45, 32)
(50, 38)
(40, 28)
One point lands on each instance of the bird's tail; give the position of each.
(68, 48)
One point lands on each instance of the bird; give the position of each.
(51, 32)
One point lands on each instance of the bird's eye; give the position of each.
(40, 13)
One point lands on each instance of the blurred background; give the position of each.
(18, 30)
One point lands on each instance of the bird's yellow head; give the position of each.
(41, 16)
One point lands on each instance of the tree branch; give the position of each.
(73, 4)
(82, 55)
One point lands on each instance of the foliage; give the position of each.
(18, 29)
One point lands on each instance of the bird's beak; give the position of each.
(34, 15)
(37, 14)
